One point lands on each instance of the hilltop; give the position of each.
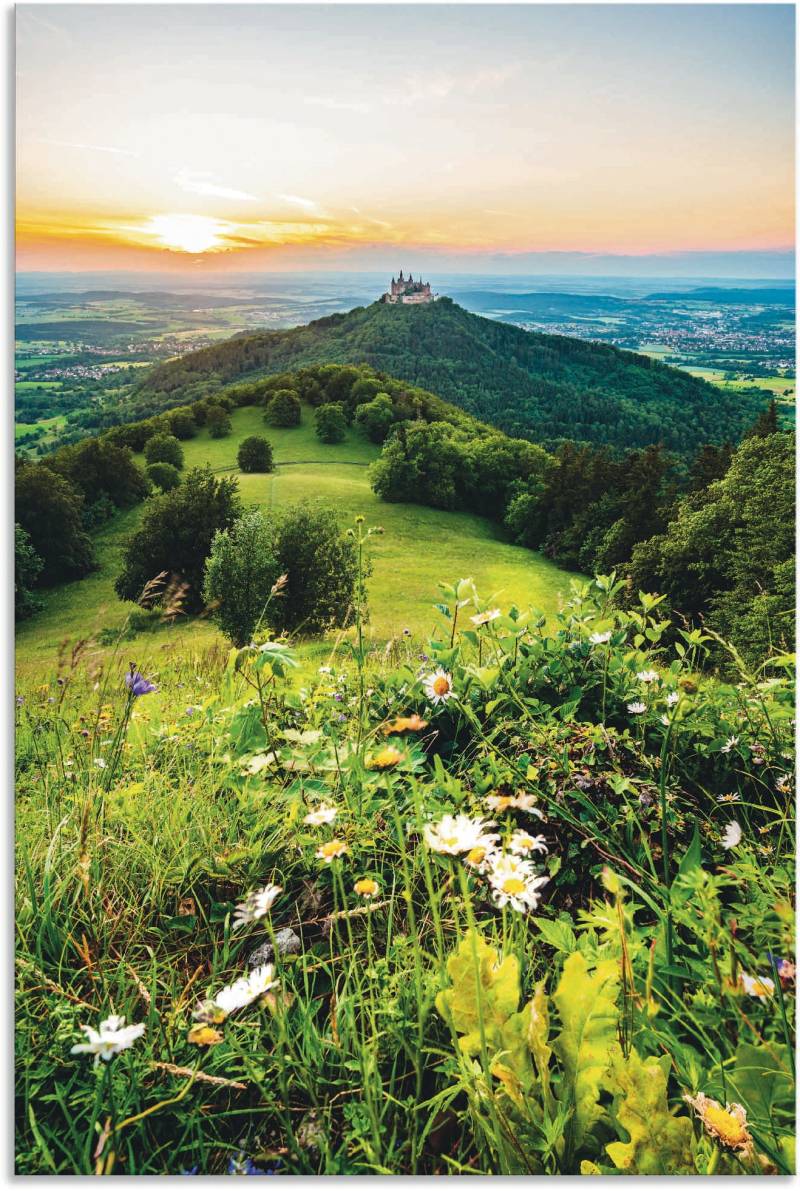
(541, 387)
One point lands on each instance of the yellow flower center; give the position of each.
(503, 802)
(366, 887)
(333, 848)
(513, 886)
(441, 685)
(449, 841)
(725, 1125)
(476, 856)
(387, 758)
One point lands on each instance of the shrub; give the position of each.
(50, 511)
(182, 424)
(164, 476)
(27, 568)
(240, 572)
(164, 448)
(331, 424)
(376, 417)
(99, 468)
(283, 409)
(218, 421)
(322, 567)
(255, 454)
(176, 535)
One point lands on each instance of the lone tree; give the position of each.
(255, 454)
(283, 409)
(218, 422)
(322, 567)
(331, 424)
(164, 476)
(241, 571)
(164, 448)
(50, 511)
(176, 535)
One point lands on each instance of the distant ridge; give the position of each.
(774, 296)
(545, 388)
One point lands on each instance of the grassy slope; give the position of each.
(419, 548)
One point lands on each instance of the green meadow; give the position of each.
(418, 548)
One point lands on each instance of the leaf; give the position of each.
(660, 1143)
(586, 1004)
(201, 1035)
(557, 932)
(760, 1082)
(538, 1039)
(483, 994)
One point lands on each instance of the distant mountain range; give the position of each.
(541, 387)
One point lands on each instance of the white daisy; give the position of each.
(729, 744)
(637, 708)
(261, 980)
(600, 638)
(245, 990)
(522, 844)
(332, 850)
(732, 835)
(757, 986)
(100, 763)
(648, 676)
(109, 1039)
(514, 883)
(438, 686)
(323, 814)
(455, 834)
(518, 802)
(672, 698)
(256, 905)
(485, 617)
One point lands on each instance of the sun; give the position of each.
(187, 233)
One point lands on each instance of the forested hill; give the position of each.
(535, 386)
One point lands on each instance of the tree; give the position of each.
(99, 469)
(255, 454)
(766, 423)
(240, 573)
(50, 510)
(27, 568)
(283, 409)
(420, 464)
(164, 476)
(322, 567)
(375, 417)
(164, 448)
(176, 535)
(218, 422)
(181, 423)
(331, 424)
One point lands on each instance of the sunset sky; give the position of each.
(257, 137)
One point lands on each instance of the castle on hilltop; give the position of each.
(407, 290)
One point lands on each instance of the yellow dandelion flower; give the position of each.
(726, 1125)
(366, 887)
(386, 759)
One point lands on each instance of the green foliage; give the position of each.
(164, 476)
(100, 469)
(330, 422)
(27, 568)
(175, 537)
(586, 1003)
(164, 448)
(255, 454)
(375, 418)
(218, 421)
(283, 409)
(658, 1142)
(239, 576)
(322, 568)
(182, 424)
(49, 509)
(483, 996)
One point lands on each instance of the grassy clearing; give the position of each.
(419, 546)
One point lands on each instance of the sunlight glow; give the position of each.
(187, 233)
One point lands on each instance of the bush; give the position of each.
(255, 454)
(27, 568)
(181, 423)
(99, 468)
(331, 424)
(240, 572)
(164, 476)
(218, 422)
(376, 417)
(283, 409)
(176, 535)
(322, 567)
(50, 510)
(164, 448)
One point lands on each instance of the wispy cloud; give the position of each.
(336, 105)
(203, 183)
(296, 200)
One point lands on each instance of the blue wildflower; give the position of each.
(137, 684)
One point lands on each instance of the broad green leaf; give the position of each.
(660, 1143)
(586, 1004)
(760, 1081)
(484, 993)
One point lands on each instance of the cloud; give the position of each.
(195, 183)
(296, 200)
(336, 105)
(84, 145)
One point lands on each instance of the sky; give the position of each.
(476, 138)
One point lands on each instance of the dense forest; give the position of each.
(545, 388)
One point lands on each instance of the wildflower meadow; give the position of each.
(514, 898)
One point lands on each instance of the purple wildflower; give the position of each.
(241, 1164)
(137, 684)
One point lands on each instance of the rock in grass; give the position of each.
(286, 941)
